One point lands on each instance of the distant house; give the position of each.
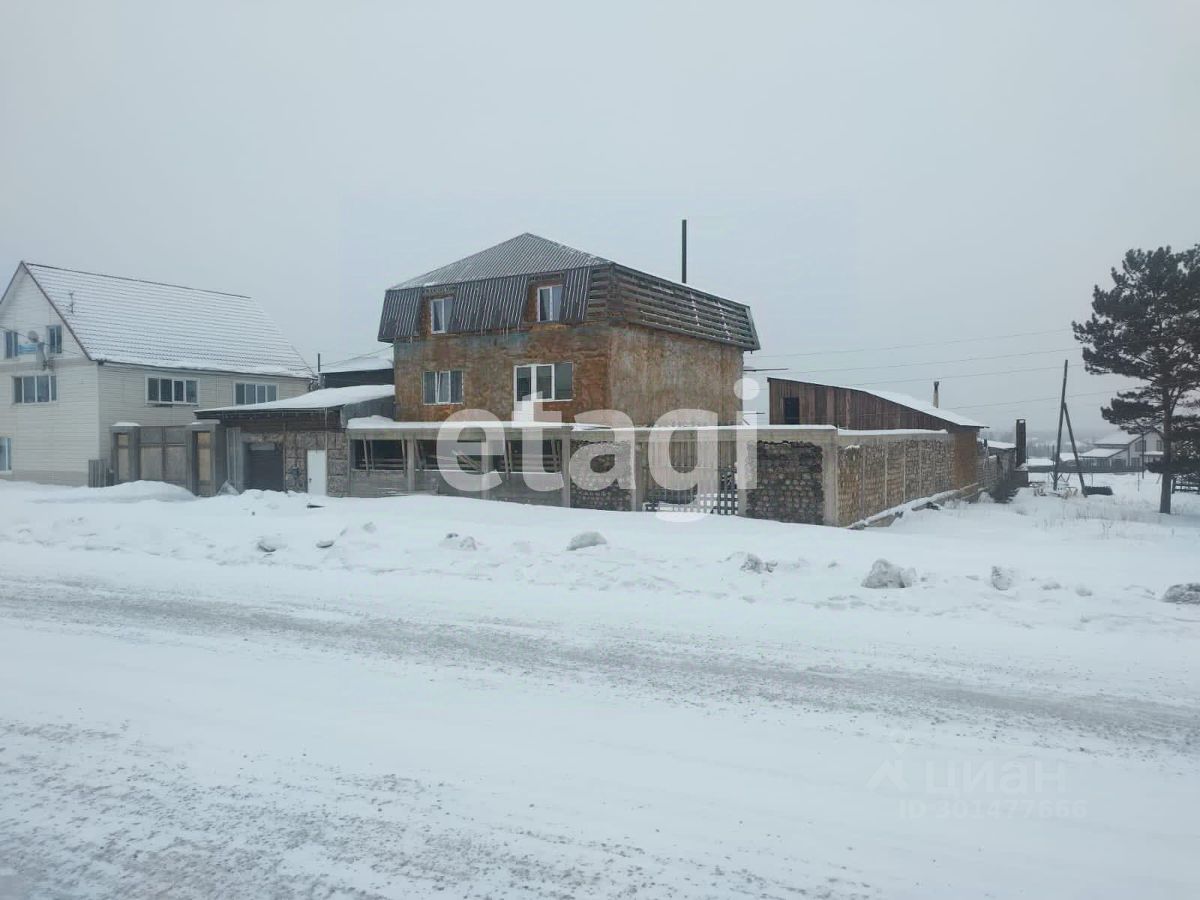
(530, 320)
(1125, 450)
(83, 352)
(860, 409)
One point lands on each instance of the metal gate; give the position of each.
(162, 454)
(264, 467)
(708, 459)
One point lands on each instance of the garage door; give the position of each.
(264, 467)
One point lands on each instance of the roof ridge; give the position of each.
(182, 287)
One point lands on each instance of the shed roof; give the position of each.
(376, 360)
(921, 406)
(314, 401)
(147, 323)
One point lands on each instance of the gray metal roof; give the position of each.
(488, 292)
(523, 255)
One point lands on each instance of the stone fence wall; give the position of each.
(803, 474)
(879, 471)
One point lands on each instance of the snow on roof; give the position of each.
(329, 398)
(374, 361)
(144, 323)
(937, 412)
(1100, 453)
(1000, 445)
(1117, 439)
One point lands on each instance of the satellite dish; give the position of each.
(32, 337)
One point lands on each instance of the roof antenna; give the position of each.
(683, 276)
(71, 305)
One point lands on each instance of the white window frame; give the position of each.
(556, 310)
(448, 381)
(5, 455)
(554, 387)
(54, 347)
(442, 305)
(263, 393)
(51, 389)
(161, 379)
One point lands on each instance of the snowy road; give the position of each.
(651, 723)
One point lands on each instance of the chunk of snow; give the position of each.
(268, 545)
(1002, 578)
(752, 563)
(1188, 592)
(586, 539)
(455, 541)
(884, 574)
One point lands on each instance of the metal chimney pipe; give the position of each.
(683, 275)
(936, 386)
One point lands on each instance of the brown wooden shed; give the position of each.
(860, 409)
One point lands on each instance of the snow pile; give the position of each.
(1002, 578)
(130, 492)
(884, 574)
(586, 539)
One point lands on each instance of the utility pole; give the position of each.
(683, 274)
(1062, 408)
(1075, 452)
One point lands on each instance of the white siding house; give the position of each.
(83, 352)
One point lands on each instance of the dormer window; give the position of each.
(439, 314)
(549, 303)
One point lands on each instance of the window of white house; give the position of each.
(255, 393)
(442, 387)
(54, 340)
(549, 381)
(549, 303)
(168, 391)
(11, 340)
(6, 455)
(35, 389)
(439, 314)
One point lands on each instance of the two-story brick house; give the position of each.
(531, 319)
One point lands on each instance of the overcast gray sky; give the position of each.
(863, 174)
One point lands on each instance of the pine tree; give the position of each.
(1147, 327)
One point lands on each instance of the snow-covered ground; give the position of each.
(251, 697)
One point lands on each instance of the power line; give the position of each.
(1035, 400)
(934, 362)
(962, 375)
(967, 340)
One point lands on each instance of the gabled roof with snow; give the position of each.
(314, 401)
(525, 254)
(1100, 453)
(145, 323)
(1117, 439)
